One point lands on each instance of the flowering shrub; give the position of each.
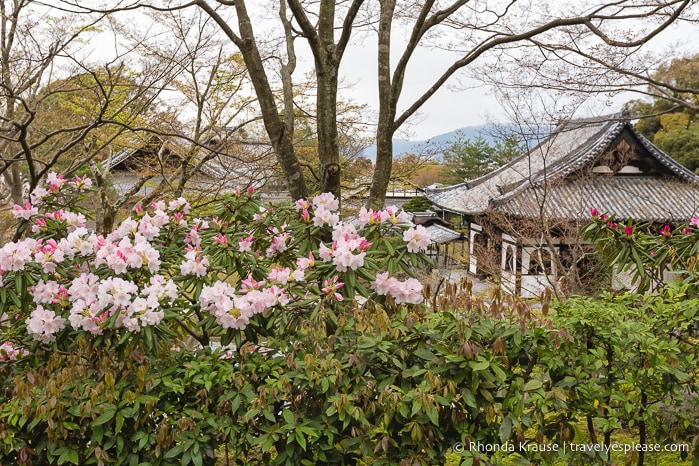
(163, 264)
(646, 250)
(165, 277)
(109, 345)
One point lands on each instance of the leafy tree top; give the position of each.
(466, 159)
(670, 119)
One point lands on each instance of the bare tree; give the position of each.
(279, 125)
(620, 61)
(475, 32)
(478, 31)
(33, 45)
(210, 115)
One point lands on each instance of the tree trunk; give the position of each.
(327, 69)
(387, 110)
(328, 149)
(280, 139)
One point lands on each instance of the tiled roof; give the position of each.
(641, 198)
(440, 234)
(518, 187)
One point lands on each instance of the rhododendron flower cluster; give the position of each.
(195, 264)
(331, 287)
(348, 248)
(8, 352)
(43, 324)
(417, 238)
(390, 215)
(408, 291)
(161, 263)
(324, 206)
(235, 310)
(14, 256)
(24, 212)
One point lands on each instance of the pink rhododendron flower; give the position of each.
(48, 254)
(8, 352)
(408, 291)
(43, 324)
(82, 184)
(249, 284)
(323, 216)
(14, 256)
(299, 275)
(193, 237)
(417, 239)
(45, 292)
(158, 290)
(178, 219)
(195, 264)
(326, 201)
(218, 298)
(179, 205)
(382, 285)
(85, 287)
(24, 212)
(147, 228)
(368, 217)
(393, 215)
(324, 206)
(116, 292)
(325, 253)
(665, 231)
(302, 204)
(331, 287)
(245, 244)
(87, 316)
(278, 244)
(304, 263)
(222, 240)
(306, 216)
(280, 275)
(55, 181)
(694, 222)
(38, 195)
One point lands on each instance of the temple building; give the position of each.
(524, 220)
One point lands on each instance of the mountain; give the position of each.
(401, 146)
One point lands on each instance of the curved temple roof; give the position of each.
(547, 179)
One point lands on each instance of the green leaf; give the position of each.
(505, 429)
(300, 439)
(288, 417)
(119, 422)
(479, 365)
(470, 399)
(424, 353)
(175, 451)
(106, 416)
(532, 384)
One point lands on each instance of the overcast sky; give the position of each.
(463, 101)
(452, 108)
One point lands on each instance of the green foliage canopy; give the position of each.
(670, 119)
(466, 159)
